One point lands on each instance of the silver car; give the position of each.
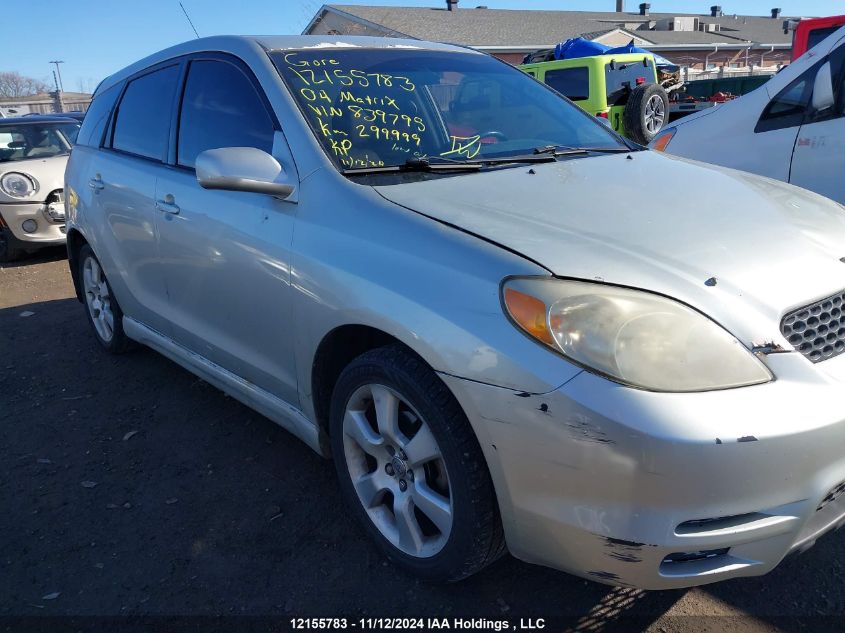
(438, 272)
(33, 156)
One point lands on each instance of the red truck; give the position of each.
(808, 33)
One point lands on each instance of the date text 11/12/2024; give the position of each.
(417, 624)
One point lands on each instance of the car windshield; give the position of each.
(27, 141)
(384, 107)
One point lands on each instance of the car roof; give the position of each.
(287, 42)
(38, 118)
(236, 44)
(591, 60)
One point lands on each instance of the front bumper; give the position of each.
(660, 490)
(49, 230)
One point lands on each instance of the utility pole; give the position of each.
(58, 105)
(58, 70)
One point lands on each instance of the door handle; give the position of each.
(96, 183)
(167, 207)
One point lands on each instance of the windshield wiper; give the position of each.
(546, 154)
(416, 164)
(517, 158)
(436, 163)
(565, 150)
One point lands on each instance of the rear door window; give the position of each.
(97, 116)
(221, 108)
(142, 123)
(570, 82)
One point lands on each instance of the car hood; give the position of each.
(48, 172)
(656, 222)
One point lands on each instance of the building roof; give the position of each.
(480, 27)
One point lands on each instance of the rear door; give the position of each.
(116, 188)
(818, 162)
(227, 252)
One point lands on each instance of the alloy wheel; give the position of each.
(98, 299)
(397, 470)
(655, 114)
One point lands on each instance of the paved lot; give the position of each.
(129, 487)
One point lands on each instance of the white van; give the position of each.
(792, 128)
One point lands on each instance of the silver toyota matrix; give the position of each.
(469, 294)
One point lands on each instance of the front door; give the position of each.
(227, 253)
(818, 162)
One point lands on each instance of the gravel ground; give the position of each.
(128, 487)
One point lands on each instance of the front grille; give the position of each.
(817, 330)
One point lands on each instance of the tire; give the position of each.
(646, 113)
(104, 313)
(8, 253)
(428, 544)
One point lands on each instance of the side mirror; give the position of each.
(823, 89)
(242, 169)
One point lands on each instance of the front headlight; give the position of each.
(631, 336)
(18, 185)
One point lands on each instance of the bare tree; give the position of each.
(86, 84)
(13, 84)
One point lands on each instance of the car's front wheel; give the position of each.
(104, 313)
(8, 252)
(411, 467)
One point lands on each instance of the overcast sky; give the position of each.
(98, 37)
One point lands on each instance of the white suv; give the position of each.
(792, 128)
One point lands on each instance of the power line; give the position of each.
(188, 17)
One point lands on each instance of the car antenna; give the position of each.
(188, 17)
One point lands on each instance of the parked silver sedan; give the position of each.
(33, 155)
(435, 270)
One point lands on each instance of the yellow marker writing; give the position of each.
(468, 146)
